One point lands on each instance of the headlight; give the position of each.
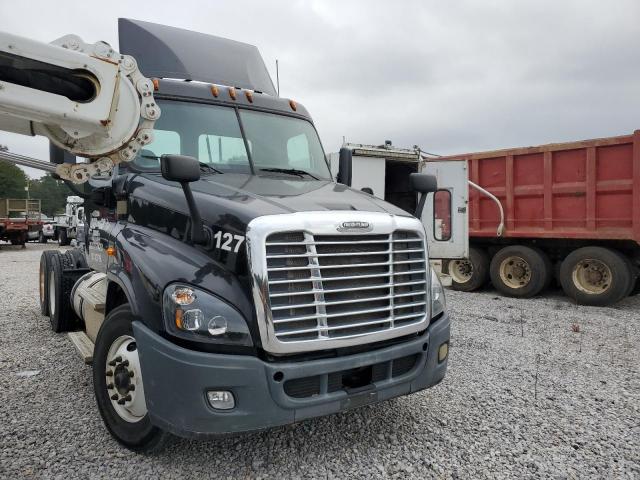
(438, 302)
(194, 314)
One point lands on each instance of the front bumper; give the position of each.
(176, 381)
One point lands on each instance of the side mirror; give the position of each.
(184, 170)
(180, 168)
(344, 167)
(423, 184)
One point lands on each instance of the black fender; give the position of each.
(147, 261)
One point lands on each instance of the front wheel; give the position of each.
(118, 385)
(63, 239)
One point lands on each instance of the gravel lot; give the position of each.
(488, 419)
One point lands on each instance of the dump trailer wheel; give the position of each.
(61, 314)
(43, 279)
(468, 274)
(63, 239)
(78, 258)
(118, 385)
(519, 271)
(596, 276)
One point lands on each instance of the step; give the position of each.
(83, 344)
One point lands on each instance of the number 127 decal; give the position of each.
(225, 241)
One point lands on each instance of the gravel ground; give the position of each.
(490, 418)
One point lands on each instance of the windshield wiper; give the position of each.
(290, 171)
(203, 166)
(206, 166)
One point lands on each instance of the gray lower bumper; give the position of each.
(176, 380)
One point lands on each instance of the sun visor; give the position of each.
(169, 52)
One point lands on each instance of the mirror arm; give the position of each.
(421, 203)
(198, 235)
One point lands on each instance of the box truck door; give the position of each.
(368, 172)
(445, 215)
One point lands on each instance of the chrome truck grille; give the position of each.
(329, 280)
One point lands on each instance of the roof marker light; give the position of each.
(214, 91)
(249, 95)
(293, 105)
(232, 93)
(156, 84)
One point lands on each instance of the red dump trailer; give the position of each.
(571, 213)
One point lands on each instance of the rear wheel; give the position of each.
(20, 239)
(77, 257)
(468, 274)
(43, 279)
(596, 276)
(519, 271)
(41, 237)
(61, 314)
(118, 386)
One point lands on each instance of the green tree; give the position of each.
(12, 181)
(52, 194)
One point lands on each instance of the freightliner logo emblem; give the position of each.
(355, 227)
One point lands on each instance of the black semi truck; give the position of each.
(227, 281)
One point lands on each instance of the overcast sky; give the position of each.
(450, 76)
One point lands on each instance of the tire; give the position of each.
(596, 276)
(468, 274)
(63, 240)
(61, 314)
(19, 240)
(43, 279)
(77, 257)
(519, 271)
(41, 237)
(634, 276)
(127, 422)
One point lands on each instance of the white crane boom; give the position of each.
(86, 98)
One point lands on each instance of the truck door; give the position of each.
(445, 214)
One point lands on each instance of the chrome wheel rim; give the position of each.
(124, 379)
(515, 272)
(461, 270)
(592, 276)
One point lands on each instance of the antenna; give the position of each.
(277, 78)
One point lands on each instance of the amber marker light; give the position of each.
(215, 91)
(232, 93)
(156, 84)
(183, 296)
(111, 251)
(179, 318)
(249, 95)
(293, 105)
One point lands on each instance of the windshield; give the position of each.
(278, 145)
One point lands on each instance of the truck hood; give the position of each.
(227, 203)
(239, 198)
